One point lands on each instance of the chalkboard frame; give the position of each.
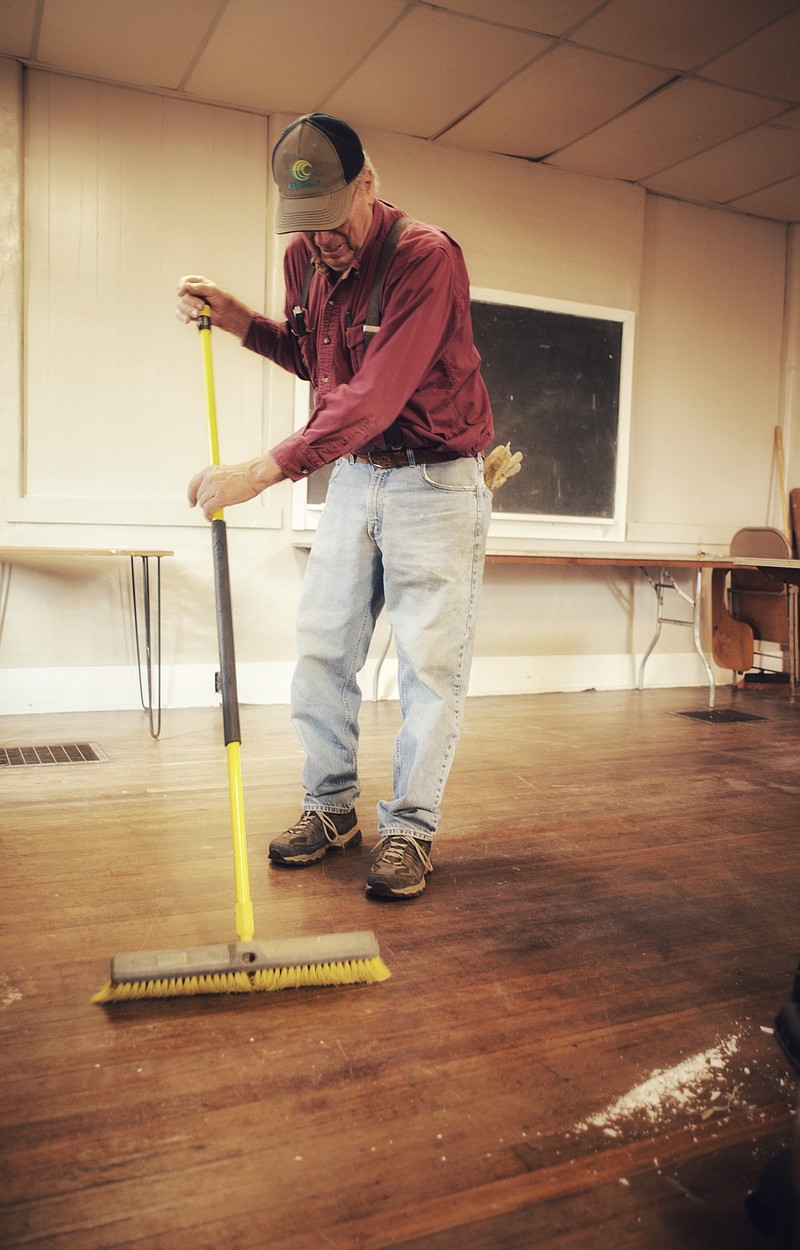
(530, 526)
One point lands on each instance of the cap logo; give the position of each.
(301, 171)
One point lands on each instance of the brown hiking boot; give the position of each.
(313, 836)
(399, 867)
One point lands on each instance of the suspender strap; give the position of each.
(394, 434)
(301, 309)
(309, 274)
(373, 320)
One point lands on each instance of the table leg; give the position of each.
(667, 582)
(794, 640)
(151, 704)
(659, 593)
(698, 588)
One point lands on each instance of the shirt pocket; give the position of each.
(356, 345)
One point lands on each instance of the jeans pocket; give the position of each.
(459, 475)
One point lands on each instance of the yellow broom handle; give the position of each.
(245, 924)
(204, 326)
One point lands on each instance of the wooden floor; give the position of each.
(573, 1050)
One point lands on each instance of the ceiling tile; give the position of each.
(781, 202)
(287, 55)
(769, 62)
(739, 166)
(548, 17)
(676, 123)
(564, 94)
(17, 24)
(408, 86)
(145, 42)
(678, 33)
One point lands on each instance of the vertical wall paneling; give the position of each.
(10, 274)
(125, 192)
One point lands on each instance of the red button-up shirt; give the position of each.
(422, 365)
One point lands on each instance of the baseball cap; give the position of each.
(315, 163)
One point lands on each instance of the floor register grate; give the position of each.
(61, 753)
(721, 714)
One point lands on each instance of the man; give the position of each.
(406, 418)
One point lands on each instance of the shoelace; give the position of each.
(327, 822)
(396, 849)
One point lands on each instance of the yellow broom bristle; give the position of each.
(174, 987)
(346, 972)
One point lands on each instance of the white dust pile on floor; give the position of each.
(697, 1085)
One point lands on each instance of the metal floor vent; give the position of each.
(61, 753)
(721, 714)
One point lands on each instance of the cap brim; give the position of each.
(314, 212)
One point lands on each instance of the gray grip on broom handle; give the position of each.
(227, 658)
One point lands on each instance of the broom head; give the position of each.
(242, 967)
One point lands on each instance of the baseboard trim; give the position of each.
(116, 688)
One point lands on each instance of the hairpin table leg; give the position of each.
(151, 700)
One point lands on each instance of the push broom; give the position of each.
(244, 965)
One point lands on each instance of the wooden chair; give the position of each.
(766, 605)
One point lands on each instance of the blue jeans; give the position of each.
(413, 538)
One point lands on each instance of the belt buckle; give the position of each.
(392, 458)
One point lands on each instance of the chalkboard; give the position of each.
(554, 383)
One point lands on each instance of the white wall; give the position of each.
(715, 362)
(707, 374)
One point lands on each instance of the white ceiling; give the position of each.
(695, 99)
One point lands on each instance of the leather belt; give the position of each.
(401, 457)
